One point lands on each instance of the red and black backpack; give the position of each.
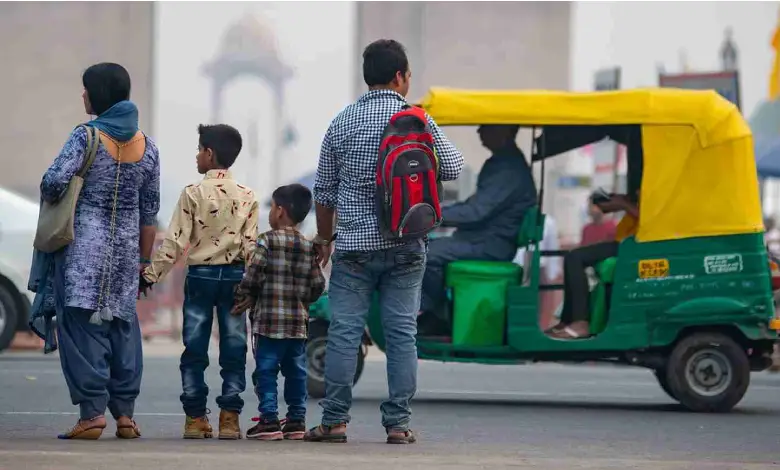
(407, 177)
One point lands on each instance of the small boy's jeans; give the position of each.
(289, 357)
(208, 288)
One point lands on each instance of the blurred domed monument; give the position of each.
(249, 48)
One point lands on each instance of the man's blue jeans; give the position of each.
(289, 356)
(396, 274)
(208, 288)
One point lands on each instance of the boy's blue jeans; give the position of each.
(208, 288)
(397, 274)
(289, 357)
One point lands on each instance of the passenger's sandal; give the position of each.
(568, 333)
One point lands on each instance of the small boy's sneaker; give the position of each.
(197, 428)
(294, 430)
(266, 430)
(228, 425)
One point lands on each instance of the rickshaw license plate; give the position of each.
(653, 268)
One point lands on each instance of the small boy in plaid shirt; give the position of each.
(281, 280)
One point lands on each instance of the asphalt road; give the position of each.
(468, 416)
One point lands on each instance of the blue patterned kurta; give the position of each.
(138, 202)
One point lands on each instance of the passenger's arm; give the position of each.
(176, 240)
(57, 178)
(501, 187)
(450, 159)
(618, 203)
(632, 209)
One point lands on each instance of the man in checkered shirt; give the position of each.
(364, 262)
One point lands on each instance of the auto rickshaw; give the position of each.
(689, 296)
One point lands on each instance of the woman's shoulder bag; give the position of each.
(55, 220)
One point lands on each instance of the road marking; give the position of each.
(519, 394)
(27, 372)
(71, 413)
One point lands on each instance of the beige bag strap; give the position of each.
(93, 142)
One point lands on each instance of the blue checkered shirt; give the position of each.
(346, 174)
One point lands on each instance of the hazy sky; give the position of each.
(315, 38)
(639, 35)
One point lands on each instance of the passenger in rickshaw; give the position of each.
(574, 318)
(486, 223)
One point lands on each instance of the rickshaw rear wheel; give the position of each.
(708, 372)
(660, 375)
(315, 360)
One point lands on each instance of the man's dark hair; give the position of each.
(225, 141)
(295, 199)
(382, 59)
(107, 84)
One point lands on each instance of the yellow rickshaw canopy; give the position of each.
(699, 173)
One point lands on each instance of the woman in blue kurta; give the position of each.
(92, 284)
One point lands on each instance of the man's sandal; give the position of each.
(401, 437)
(323, 433)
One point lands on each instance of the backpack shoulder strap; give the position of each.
(93, 141)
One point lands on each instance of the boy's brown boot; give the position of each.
(228, 425)
(197, 428)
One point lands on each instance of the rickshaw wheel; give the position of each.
(660, 375)
(708, 372)
(315, 360)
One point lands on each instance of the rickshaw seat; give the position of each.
(599, 296)
(479, 290)
(605, 270)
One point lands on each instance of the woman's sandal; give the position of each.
(324, 433)
(401, 437)
(83, 430)
(128, 429)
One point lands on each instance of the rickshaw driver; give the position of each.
(574, 318)
(487, 222)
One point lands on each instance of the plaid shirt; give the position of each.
(284, 278)
(346, 174)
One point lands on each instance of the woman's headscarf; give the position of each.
(108, 89)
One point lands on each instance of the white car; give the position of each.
(18, 221)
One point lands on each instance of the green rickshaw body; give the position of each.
(658, 291)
